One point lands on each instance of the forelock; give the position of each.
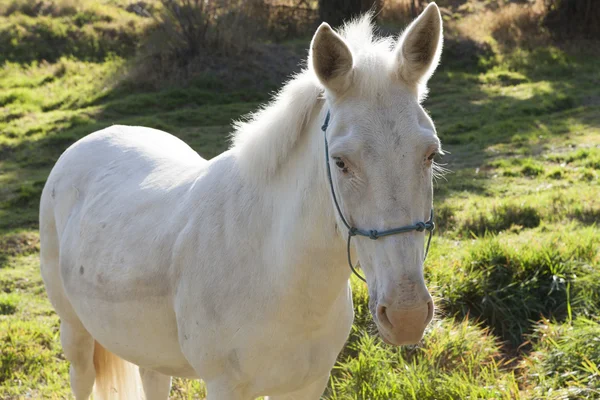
(373, 55)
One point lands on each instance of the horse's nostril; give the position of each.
(429, 312)
(382, 316)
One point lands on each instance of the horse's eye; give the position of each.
(431, 156)
(341, 165)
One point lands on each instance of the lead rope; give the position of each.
(372, 234)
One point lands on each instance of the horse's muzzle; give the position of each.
(400, 326)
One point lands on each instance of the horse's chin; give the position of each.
(390, 339)
(385, 339)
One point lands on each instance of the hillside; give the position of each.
(514, 263)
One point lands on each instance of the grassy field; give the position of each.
(515, 263)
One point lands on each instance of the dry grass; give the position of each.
(401, 12)
(510, 25)
(190, 38)
(17, 244)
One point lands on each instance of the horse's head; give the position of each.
(381, 148)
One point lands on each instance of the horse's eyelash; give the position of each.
(439, 171)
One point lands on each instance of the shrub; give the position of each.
(336, 12)
(186, 29)
(288, 21)
(192, 37)
(509, 25)
(571, 18)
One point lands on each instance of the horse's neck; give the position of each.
(312, 254)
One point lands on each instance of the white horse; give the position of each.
(234, 270)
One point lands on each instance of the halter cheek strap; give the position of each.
(371, 234)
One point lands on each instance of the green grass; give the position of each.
(89, 30)
(564, 360)
(506, 281)
(457, 360)
(514, 264)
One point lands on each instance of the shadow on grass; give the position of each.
(499, 113)
(198, 115)
(510, 288)
(472, 113)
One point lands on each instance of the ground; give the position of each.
(514, 263)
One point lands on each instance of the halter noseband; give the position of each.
(371, 234)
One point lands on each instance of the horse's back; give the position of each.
(118, 166)
(110, 215)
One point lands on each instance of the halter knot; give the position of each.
(373, 234)
(431, 226)
(420, 226)
(352, 231)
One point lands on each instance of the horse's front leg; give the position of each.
(156, 385)
(314, 391)
(225, 389)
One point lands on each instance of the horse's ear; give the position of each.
(420, 46)
(331, 59)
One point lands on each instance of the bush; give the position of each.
(336, 12)
(185, 28)
(226, 40)
(507, 25)
(572, 18)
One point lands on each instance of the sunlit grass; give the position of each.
(564, 360)
(457, 360)
(514, 265)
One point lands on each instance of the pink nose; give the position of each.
(404, 325)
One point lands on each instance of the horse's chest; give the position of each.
(294, 365)
(292, 356)
(266, 350)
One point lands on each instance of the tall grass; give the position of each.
(564, 361)
(510, 281)
(456, 360)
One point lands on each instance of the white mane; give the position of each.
(270, 134)
(265, 139)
